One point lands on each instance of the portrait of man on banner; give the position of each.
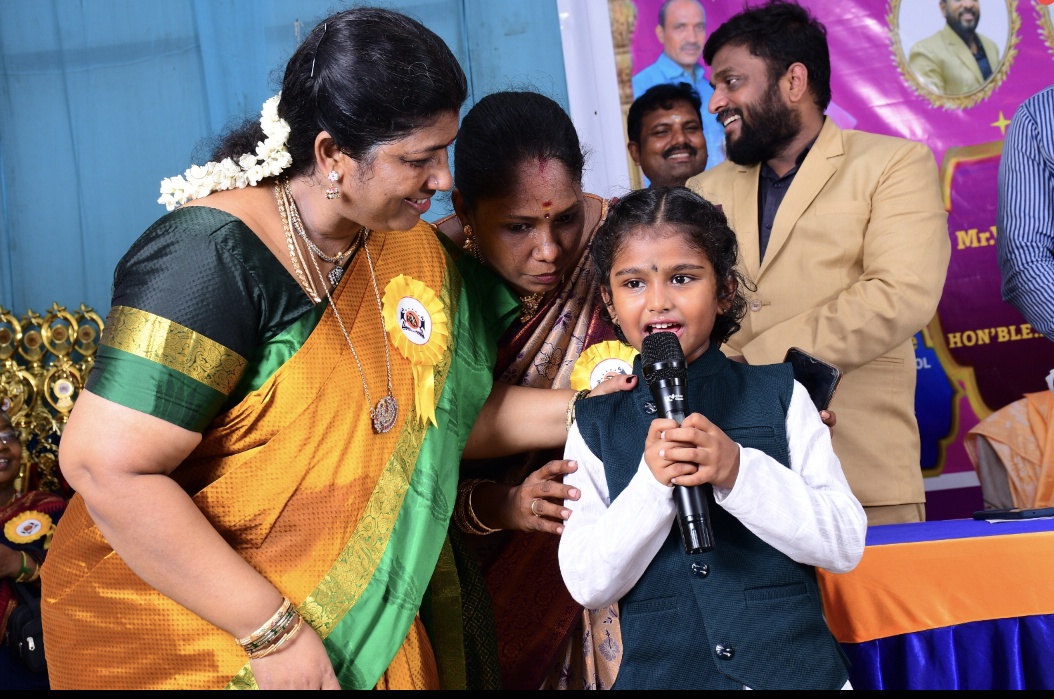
(955, 52)
(680, 31)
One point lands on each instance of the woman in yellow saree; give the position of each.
(265, 455)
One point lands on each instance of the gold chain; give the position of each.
(294, 251)
(298, 226)
(382, 415)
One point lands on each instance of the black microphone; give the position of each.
(666, 371)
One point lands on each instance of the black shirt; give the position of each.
(771, 190)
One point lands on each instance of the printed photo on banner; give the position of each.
(955, 53)
(1046, 24)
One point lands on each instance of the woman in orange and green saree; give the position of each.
(265, 454)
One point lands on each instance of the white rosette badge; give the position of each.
(417, 323)
(603, 358)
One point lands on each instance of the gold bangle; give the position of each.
(464, 516)
(571, 406)
(273, 633)
(268, 626)
(267, 650)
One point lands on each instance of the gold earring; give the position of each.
(471, 247)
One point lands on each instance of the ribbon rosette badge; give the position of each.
(27, 527)
(416, 321)
(600, 359)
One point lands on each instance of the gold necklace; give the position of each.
(530, 306)
(294, 252)
(384, 414)
(337, 260)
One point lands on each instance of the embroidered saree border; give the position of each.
(173, 346)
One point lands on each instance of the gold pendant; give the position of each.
(530, 306)
(385, 414)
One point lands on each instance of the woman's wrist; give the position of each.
(274, 633)
(569, 415)
(496, 505)
(28, 568)
(466, 516)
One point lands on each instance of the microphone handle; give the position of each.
(693, 518)
(693, 513)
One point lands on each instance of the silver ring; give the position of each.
(534, 511)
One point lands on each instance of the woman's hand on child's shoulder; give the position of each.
(695, 452)
(613, 383)
(538, 503)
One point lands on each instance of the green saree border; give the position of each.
(133, 381)
(174, 346)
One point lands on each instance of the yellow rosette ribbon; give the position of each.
(27, 527)
(600, 359)
(416, 321)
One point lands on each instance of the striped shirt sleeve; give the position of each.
(1025, 241)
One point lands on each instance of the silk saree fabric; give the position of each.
(1022, 435)
(539, 635)
(346, 523)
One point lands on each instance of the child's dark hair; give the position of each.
(704, 227)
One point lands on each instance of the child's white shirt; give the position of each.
(806, 511)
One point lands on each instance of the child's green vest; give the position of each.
(743, 613)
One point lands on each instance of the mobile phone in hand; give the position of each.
(819, 378)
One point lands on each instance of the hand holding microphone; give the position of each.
(691, 450)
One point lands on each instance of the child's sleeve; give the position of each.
(606, 546)
(806, 511)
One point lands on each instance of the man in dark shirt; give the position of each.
(843, 235)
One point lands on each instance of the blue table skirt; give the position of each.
(999, 654)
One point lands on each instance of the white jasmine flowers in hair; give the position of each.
(269, 160)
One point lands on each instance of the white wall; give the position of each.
(592, 89)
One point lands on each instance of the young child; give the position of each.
(747, 613)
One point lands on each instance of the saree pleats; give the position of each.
(345, 522)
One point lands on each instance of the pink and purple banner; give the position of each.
(977, 354)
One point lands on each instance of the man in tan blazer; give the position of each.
(843, 232)
(957, 59)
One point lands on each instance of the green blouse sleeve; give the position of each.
(193, 299)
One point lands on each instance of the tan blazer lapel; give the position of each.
(961, 51)
(808, 183)
(745, 225)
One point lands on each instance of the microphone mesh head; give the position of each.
(665, 348)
